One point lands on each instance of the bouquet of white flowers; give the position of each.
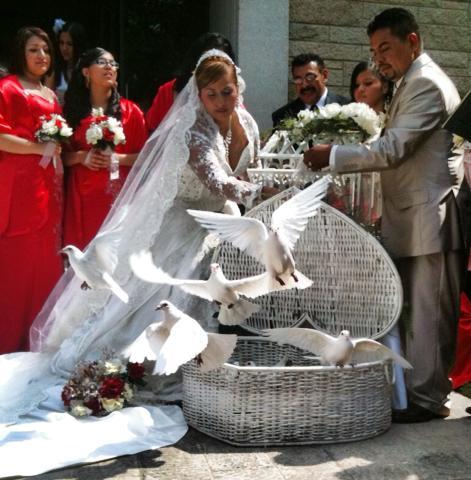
(352, 123)
(105, 133)
(52, 129)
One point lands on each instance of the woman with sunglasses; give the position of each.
(89, 190)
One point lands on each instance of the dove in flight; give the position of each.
(339, 351)
(274, 246)
(96, 265)
(226, 293)
(177, 339)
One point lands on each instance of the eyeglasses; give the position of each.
(308, 78)
(102, 62)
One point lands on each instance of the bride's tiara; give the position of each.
(214, 52)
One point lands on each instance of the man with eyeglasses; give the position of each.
(425, 199)
(310, 78)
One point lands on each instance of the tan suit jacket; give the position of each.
(421, 170)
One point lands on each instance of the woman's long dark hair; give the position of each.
(202, 44)
(362, 67)
(79, 41)
(18, 58)
(77, 105)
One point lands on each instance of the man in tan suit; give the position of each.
(422, 182)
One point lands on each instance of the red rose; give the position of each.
(94, 405)
(108, 135)
(58, 124)
(67, 395)
(135, 371)
(111, 387)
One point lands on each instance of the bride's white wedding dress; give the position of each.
(183, 165)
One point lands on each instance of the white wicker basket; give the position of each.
(356, 287)
(358, 195)
(270, 405)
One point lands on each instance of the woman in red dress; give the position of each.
(89, 190)
(30, 195)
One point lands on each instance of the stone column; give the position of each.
(259, 33)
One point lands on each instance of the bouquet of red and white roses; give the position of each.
(102, 386)
(52, 129)
(105, 133)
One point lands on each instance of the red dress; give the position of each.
(89, 193)
(160, 105)
(30, 219)
(461, 372)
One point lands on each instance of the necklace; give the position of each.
(227, 139)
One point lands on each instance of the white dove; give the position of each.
(226, 293)
(273, 248)
(339, 351)
(177, 339)
(96, 265)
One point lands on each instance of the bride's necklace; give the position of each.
(227, 139)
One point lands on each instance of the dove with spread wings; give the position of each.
(177, 339)
(226, 293)
(274, 246)
(339, 351)
(98, 262)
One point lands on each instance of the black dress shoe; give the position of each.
(415, 414)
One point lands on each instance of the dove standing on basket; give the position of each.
(274, 247)
(177, 339)
(339, 351)
(226, 293)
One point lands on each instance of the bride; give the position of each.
(196, 159)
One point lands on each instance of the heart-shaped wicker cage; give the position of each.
(355, 287)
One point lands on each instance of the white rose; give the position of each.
(66, 131)
(93, 134)
(112, 404)
(79, 410)
(330, 110)
(363, 115)
(118, 136)
(113, 123)
(111, 367)
(305, 116)
(50, 127)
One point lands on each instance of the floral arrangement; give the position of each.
(104, 132)
(53, 128)
(101, 387)
(355, 118)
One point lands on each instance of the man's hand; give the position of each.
(317, 157)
